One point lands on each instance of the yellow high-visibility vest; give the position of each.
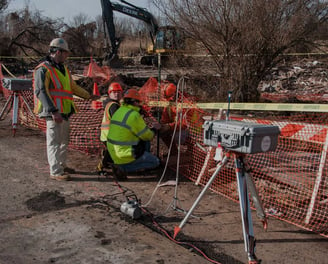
(127, 128)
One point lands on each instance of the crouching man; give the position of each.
(129, 139)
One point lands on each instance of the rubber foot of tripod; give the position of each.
(255, 261)
(176, 231)
(265, 224)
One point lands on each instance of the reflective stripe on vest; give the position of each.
(123, 143)
(59, 94)
(124, 124)
(142, 131)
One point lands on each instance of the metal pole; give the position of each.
(159, 98)
(179, 144)
(229, 100)
(318, 181)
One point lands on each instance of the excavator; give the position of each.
(166, 40)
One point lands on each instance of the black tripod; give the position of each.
(245, 183)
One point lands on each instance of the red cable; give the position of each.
(166, 233)
(178, 242)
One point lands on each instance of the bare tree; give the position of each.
(28, 33)
(81, 38)
(79, 19)
(3, 4)
(246, 38)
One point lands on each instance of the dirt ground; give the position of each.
(44, 221)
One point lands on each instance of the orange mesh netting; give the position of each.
(99, 74)
(292, 181)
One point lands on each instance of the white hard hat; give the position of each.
(59, 43)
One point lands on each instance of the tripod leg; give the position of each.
(245, 210)
(224, 162)
(255, 196)
(15, 112)
(28, 107)
(6, 105)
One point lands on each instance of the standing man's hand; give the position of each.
(56, 116)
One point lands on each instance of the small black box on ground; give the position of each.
(241, 136)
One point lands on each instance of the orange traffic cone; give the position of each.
(96, 104)
(89, 72)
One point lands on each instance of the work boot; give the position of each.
(102, 173)
(63, 177)
(100, 169)
(69, 170)
(118, 173)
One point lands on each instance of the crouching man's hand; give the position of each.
(155, 125)
(164, 128)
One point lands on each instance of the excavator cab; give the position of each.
(169, 39)
(170, 43)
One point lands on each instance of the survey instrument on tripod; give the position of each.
(236, 139)
(17, 86)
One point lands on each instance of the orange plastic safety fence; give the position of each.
(84, 126)
(292, 181)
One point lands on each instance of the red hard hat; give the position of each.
(132, 94)
(114, 87)
(170, 90)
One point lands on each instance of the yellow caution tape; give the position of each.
(323, 108)
(267, 107)
(158, 103)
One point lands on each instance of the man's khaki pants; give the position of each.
(57, 143)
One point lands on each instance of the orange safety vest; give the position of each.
(59, 90)
(106, 121)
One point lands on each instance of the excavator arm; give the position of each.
(128, 9)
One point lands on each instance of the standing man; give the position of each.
(129, 139)
(53, 100)
(115, 92)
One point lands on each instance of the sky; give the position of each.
(67, 9)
